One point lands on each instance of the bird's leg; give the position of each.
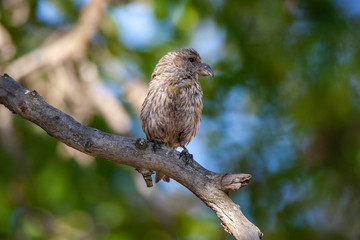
(156, 144)
(188, 156)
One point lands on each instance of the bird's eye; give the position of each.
(191, 59)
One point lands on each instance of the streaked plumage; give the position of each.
(171, 112)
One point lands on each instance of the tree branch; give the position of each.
(210, 187)
(70, 45)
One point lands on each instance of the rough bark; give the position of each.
(210, 187)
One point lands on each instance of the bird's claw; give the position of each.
(156, 144)
(188, 156)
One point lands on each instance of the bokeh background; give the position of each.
(284, 106)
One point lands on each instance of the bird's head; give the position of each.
(185, 60)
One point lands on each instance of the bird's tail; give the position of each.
(160, 176)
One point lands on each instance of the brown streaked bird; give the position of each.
(171, 111)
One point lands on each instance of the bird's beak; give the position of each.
(205, 70)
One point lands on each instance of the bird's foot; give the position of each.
(188, 156)
(156, 144)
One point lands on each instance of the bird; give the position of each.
(171, 112)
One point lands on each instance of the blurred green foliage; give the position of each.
(283, 106)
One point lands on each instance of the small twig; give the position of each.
(234, 181)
